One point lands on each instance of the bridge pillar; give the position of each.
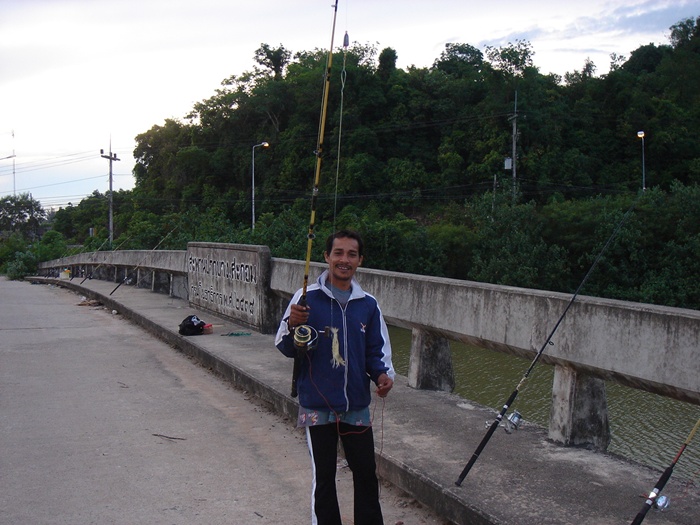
(430, 363)
(579, 415)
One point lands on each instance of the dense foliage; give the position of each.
(414, 159)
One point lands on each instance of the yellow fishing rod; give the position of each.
(301, 334)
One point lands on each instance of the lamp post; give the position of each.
(252, 163)
(640, 134)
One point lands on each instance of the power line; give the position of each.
(59, 183)
(52, 162)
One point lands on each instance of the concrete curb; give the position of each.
(395, 471)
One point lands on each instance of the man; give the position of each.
(349, 347)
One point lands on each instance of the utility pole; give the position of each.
(514, 119)
(112, 157)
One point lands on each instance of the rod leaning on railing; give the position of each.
(499, 417)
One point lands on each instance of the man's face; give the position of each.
(343, 261)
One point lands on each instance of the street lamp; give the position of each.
(261, 145)
(640, 134)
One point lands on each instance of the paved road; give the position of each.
(104, 424)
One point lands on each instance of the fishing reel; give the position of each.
(658, 502)
(513, 421)
(305, 337)
(662, 503)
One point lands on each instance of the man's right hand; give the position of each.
(298, 315)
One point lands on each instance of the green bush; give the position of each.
(22, 265)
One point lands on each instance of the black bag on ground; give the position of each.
(191, 325)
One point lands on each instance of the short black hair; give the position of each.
(341, 234)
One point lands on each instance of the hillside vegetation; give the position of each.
(414, 159)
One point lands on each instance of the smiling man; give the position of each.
(348, 349)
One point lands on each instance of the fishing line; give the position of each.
(335, 413)
(653, 498)
(547, 342)
(343, 78)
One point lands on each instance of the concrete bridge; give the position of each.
(653, 348)
(598, 339)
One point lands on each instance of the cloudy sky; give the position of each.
(75, 73)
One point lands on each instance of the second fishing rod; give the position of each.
(127, 273)
(499, 417)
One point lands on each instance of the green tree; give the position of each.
(511, 248)
(10, 245)
(512, 59)
(22, 265)
(52, 245)
(414, 159)
(273, 59)
(21, 213)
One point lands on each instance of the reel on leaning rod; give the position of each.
(513, 422)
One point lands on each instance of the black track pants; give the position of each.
(358, 443)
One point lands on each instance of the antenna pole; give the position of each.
(14, 179)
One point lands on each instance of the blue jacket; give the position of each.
(363, 343)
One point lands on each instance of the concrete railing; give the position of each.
(653, 348)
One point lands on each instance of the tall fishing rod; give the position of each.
(89, 275)
(652, 499)
(302, 334)
(547, 342)
(83, 251)
(145, 257)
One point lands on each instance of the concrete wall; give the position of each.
(232, 280)
(649, 347)
(654, 348)
(164, 260)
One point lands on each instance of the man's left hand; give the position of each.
(384, 384)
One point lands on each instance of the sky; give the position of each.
(80, 76)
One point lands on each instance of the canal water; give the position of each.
(646, 428)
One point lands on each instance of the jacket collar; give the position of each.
(357, 291)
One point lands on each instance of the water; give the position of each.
(646, 428)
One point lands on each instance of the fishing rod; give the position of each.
(83, 251)
(142, 260)
(89, 275)
(547, 342)
(653, 499)
(303, 334)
